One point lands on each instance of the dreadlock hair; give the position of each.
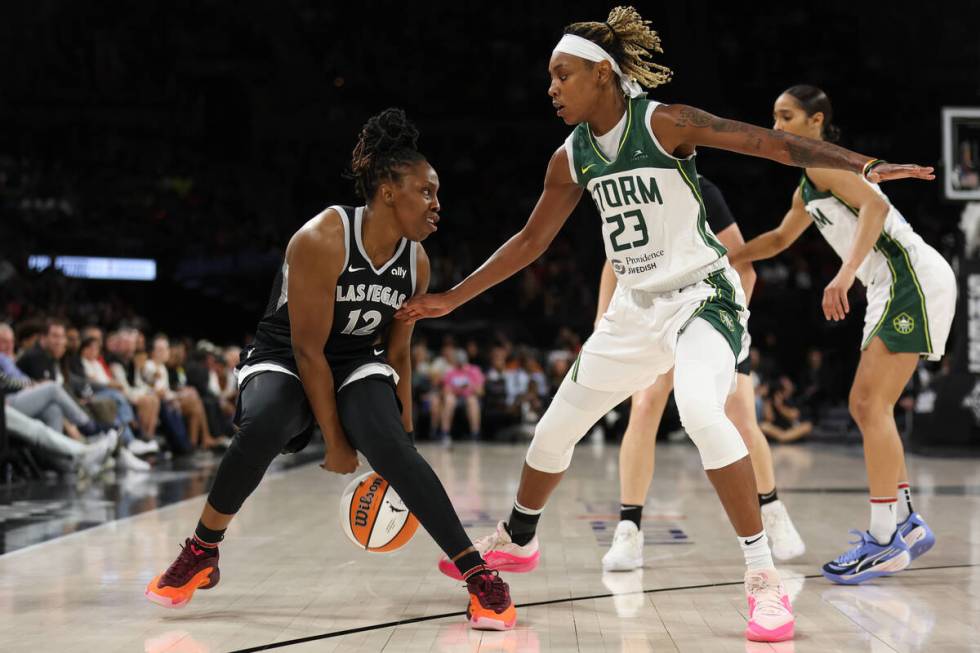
(387, 143)
(813, 100)
(629, 41)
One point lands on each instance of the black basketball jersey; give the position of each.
(719, 215)
(365, 302)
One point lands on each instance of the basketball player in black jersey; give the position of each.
(328, 352)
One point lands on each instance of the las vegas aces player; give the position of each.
(328, 352)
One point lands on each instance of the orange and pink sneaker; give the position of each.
(195, 568)
(499, 553)
(770, 614)
(491, 607)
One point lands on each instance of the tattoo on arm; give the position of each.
(777, 145)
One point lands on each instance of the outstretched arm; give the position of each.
(680, 128)
(559, 197)
(776, 240)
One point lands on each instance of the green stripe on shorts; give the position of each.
(904, 323)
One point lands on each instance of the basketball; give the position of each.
(374, 516)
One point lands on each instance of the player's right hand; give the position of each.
(425, 305)
(340, 458)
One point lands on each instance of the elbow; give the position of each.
(532, 245)
(880, 208)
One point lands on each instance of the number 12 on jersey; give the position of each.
(371, 318)
(620, 220)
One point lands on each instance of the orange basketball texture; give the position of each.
(376, 519)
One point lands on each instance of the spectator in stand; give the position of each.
(73, 341)
(42, 361)
(444, 362)
(28, 333)
(815, 383)
(498, 411)
(222, 381)
(781, 418)
(157, 375)
(425, 393)
(105, 386)
(475, 354)
(87, 458)
(120, 350)
(557, 371)
(7, 364)
(462, 384)
(198, 373)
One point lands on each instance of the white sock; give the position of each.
(882, 518)
(755, 548)
(904, 507)
(527, 511)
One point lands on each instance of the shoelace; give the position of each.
(768, 599)
(184, 562)
(491, 590)
(856, 545)
(487, 542)
(623, 536)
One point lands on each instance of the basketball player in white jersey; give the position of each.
(637, 450)
(911, 300)
(678, 302)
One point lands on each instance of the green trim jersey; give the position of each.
(838, 223)
(654, 225)
(911, 289)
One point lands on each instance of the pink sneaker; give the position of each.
(770, 614)
(499, 553)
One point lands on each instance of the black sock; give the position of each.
(768, 497)
(631, 512)
(468, 562)
(522, 526)
(207, 537)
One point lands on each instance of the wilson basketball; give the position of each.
(374, 516)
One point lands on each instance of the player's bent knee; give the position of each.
(719, 444)
(571, 414)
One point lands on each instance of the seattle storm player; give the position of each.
(328, 352)
(678, 302)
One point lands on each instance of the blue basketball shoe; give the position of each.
(917, 535)
(868, 559)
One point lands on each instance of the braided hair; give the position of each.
(386, 144)
(629, 41)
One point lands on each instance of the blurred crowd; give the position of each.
(85, 400)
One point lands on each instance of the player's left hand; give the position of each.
(425, 305)
(835, 306)
(892, 171)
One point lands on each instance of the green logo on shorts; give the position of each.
(904, 323)
(726, 319)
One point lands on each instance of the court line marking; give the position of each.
(434, 617)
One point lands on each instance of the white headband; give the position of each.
(586, 49)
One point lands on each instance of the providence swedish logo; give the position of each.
(904, 323)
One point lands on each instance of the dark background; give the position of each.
(202, 134)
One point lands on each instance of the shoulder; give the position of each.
(824, 179)
(560, 166)
(323, 235)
